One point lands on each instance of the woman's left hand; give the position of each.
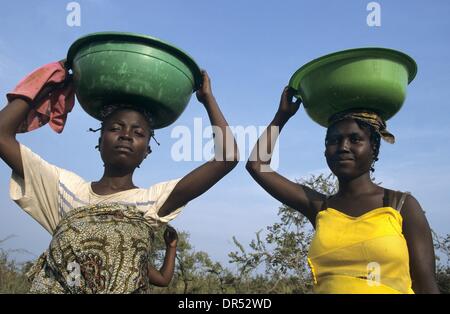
(170, 236)
(204, 93)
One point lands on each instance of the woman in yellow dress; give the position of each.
(367, 239)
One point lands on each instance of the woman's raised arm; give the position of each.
(297, 196)
(11, 117)
(226, 156)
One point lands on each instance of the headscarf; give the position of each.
(369, 117)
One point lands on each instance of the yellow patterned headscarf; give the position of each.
(368, 117)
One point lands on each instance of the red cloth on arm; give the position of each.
(51, 109)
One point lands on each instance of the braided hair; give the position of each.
(108, 111)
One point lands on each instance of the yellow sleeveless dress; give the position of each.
(365, 254)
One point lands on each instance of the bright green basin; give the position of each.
(139, 70)
(365, 78)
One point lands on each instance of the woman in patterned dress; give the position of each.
(101, 231)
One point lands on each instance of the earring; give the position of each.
(372, 168)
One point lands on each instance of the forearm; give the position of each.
(163, 277)
(12, 115)
(168, 266)
(261, 155)
(225, 145)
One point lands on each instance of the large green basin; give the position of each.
(112, 67)
(364, 78)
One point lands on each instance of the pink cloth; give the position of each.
(51, 108)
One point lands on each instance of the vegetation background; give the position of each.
(273, 262)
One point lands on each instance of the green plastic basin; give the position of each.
(112, 67)
(364, 78)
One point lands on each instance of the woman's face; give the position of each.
(125, 139)
(348, 149)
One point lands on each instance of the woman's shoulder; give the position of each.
(404, 202)
(395, 198)
(163, 186)
(72, 182)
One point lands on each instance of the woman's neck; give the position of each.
(114, 181)
(356, 186)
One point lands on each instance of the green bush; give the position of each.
(12, 274)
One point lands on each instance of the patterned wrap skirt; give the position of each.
(96, 249)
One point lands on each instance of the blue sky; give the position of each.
(250, 49)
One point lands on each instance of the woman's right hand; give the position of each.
(288, 107)
(48, 88)
(170, 237)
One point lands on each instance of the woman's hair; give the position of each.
(109, 110)
(374, 136)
